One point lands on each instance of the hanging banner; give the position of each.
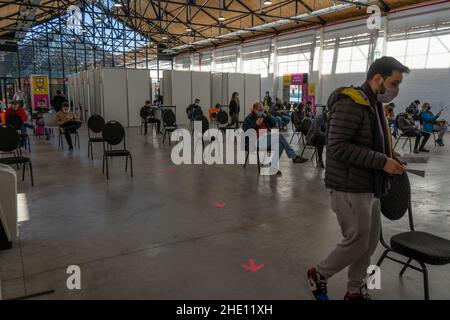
(286, 80)
(39, 90)
(312, 89)
(297, 79)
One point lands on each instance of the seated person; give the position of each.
(298, 115)
(281, 116)
(213, 111)
(406, 124)
(430, 123)
(317, 135)
(258, 120)
(191, 110)
(390, 116)
(147, 114)
(68, 123)
(309, 110)
(414, 107)
(41, 107)
(16, 109)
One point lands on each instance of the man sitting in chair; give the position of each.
(317, 135)
(407, 125)
(67, 122)
(259, 120)
(147, 114)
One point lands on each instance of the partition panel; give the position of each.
(201, 83)
(181, 94)
(252, 92)
(139, 90)
(114, 95)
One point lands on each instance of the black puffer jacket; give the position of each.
(351, 159)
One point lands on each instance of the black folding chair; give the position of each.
(304, 129)
(407, 138)
(222, 120)
(95, 124)
(113, 133)
(423, 247)
(9, 143)
(298, 131)
(169, 123)
(74, 133)
(16, 122)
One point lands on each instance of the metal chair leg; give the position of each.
(303, 151)
(107, 169)
(31, 174)
(23, 172)
(292, 138)
(126, 164)
(131, 165)
(380, 261)
(246, 158)
(405, 266)
(425, 280)
(103, 167)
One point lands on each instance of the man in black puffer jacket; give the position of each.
(359, 161)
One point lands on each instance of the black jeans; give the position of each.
(68, 130)
(152, 120)
(418, 134)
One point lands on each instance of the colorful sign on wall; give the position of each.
(39, 90)
(312, 89)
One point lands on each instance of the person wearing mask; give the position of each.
(58, 100)
(193, 108)
(260, 121)
(234, 109)
(16, 110)
(213, 111)
(409, 128)
(68, 123)
(267, 102)
(298, 116)
(309, 110)
(148, 115)
(390, 116)
(431, 124)
(280, 115)
(359, 163)
(317, 135)
(414, 107)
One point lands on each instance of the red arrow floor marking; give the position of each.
(252, 266)
(218, 204)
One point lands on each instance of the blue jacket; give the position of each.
(427, 120)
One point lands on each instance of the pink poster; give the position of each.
(297, 79)
(37, 97)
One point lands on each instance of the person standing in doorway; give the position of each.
(359, 162)
(235, 108)
(58, 100)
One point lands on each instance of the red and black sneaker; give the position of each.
(349, 296)
(317, 284)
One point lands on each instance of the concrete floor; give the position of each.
(158, 236)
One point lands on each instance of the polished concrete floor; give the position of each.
(160, 236)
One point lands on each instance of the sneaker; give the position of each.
(423, 150)
(357, 296)
(297, 159)
(279, 174)
(440, 142)
(416, 151)
(317, 284)
(320, 165)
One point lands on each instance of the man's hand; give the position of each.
(399, 159)
(393, 167)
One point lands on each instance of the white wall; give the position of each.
(201, 89)
(114, 95)
(139, 90)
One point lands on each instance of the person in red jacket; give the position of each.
(16, 110)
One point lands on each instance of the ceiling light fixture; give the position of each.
(188, 29)
(98, 20)
(117, 5)
(221, 18)
(267, 3)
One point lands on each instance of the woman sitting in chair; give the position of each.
(68, 123)
(317, 135)
(430, 123)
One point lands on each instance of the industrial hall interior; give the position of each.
(224, 150)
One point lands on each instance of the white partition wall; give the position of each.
(181, 94)
(201, 89)
(252, 92)
(114, 94)
(139, 90)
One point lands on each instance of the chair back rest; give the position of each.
(169, 118)
(396, 202)
(113, 133)
(306, 126)
(9, 138)
(96, 123)
(197, 114)
(49, 120)
(14, 121)
(222, 117)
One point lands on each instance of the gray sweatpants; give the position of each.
(358, 215)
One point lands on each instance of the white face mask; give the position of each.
(388, 95)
